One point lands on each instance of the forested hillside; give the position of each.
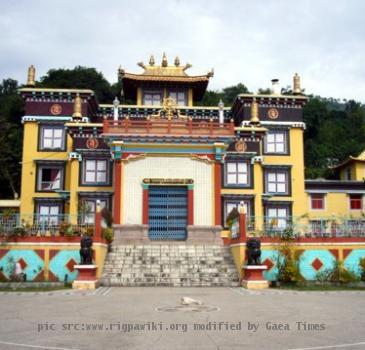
(335, 129)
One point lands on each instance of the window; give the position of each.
(96, 171)
(50, 178)
(276, 142)
(355, 201)
(348, 173)
(237, 173)
(277, 219)
(152, 98)
(179, 97)
(318, 227)
(277, 182)
(317, 201)
(48, 214)
(88, 209)
(52, 138)
(229, 205)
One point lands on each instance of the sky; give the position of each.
(244, 41)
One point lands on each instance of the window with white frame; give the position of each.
(52, 138)
(277, 218)
(152, 98)
(277, 182)
(237, 173)
(89, 208)
(179, 97)
(95, 171)
(50, 178)
(48, 214)
(276, 142)
(229, 205)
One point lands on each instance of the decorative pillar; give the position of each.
(145, 205)
(190, 204)
(217, 193)
(117, 191)
(242, 221)
(98, 219)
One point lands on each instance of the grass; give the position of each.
(321, 287)
(34, 288)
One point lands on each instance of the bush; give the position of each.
(108, 234)
(337, 273)
(288, 264)
(362, 268)
(233, 215)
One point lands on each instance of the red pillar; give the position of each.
(190, 206)
(145, 206)
(117, 191)
(217, 193)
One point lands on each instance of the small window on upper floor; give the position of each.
(237, 174)
(276, 142)
(50, 178)
(317, 201)
(179, 97)
(277, 181)
(52, 138)
(355, 201)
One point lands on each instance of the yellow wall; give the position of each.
(357, 171)
(335, 204)
(28, 179)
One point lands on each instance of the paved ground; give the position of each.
(59, 320)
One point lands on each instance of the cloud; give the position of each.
(245, 41)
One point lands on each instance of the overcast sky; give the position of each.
(245, 41)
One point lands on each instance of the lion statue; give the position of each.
(253, 246)
(86, 251)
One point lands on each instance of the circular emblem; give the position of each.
(240, 146)
(56, 109)
(273, 113)
(92, 143)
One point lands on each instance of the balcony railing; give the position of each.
(22, 225)
(327, 227)
(168, 127)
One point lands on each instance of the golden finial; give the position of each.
(31, 76)
(152, 61)
(296, 84)
(77, 114)
(187, 66)
(177, 61)
(141, 64)
(164, 60)
(254, 112)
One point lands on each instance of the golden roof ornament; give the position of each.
(152, 61)
(164, 60)
(31, 76)
(177, 61)
(254, 113)
(77, 114)
(296, 84)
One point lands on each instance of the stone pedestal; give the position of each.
(253, 277)
(86, 278)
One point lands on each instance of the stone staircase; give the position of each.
(179, 265)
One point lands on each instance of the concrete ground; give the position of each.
(60, 319)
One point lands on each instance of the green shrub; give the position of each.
(362, 268)
(108, 234)
(337, 273)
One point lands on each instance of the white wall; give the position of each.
(167, 167)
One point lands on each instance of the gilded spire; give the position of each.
(164, 60)
(152, 61)
(77, 114)
(31, 76)
(177, 61)
(254, 112)
(296, 84)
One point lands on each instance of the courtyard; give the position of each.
(154, 318)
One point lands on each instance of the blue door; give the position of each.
(167, 212)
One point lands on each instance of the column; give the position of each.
(117, 208)
(145, 205)
(190, 204)
(217, 193)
